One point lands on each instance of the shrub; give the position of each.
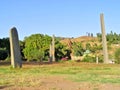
(100, 59)
(3, 54)
(88, 58)
(117, 56)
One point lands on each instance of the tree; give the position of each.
(35, 46)
(88, 46)
(78, 49)
(113, 38)
(22, 46)
(4, 48)
(3, 54)
(61, 50)
(99, 36)
(96, 48)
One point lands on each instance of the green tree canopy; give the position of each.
(35, 46)
(78, 49)
(112, 38)
(61, 51)
(4, 48)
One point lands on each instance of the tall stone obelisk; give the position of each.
(50, 53)
(53, 48)
(16, 61)
(104, 43)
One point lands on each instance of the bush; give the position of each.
(117, 56)
(88, 58)
(100, 59)
(3, 54)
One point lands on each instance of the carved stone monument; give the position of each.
(16, 61)
(52, 50)
(50, 53)
(104, 43)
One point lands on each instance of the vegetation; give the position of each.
(112, 38)
(90, 59)
(4, 48)
(3, 54)
(117, 55)
(30, 76)
(78, 49)
(36, 47)
(61, 51)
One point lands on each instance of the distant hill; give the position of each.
(82, 39)
(79, 39)
(92, 41)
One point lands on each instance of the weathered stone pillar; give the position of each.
(97, 60)
(104, 43)
(53, 48)
(50, 53)
(15, 49)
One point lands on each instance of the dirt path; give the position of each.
(60, 83)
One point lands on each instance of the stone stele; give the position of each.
(16, 60)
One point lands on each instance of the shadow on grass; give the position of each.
(4, 63)
(5, 86)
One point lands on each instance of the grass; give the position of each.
(30, 75)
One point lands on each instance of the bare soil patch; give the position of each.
(60, 83)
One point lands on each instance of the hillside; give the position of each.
(94, 42)
(83, 39)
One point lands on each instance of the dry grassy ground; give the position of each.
(55, 83)
(61, 76)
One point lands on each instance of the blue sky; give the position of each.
(67, 18)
